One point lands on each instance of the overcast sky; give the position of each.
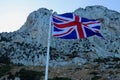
(13, 13)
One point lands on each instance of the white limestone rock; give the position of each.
(28, 45)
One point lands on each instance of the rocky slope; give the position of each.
(28, 45)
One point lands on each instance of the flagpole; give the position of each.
(48, 47)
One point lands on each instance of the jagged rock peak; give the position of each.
(94, 7)
(33, 18)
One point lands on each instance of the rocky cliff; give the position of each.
(28, 45)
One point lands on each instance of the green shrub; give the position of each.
(30, 75)
(107, 59)
(4, 59)
(96, 78)
(4, 69)
(60, 78)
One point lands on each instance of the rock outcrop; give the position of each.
(28, 45)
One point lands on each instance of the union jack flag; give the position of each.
(71, 26)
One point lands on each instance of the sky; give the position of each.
(13, 13)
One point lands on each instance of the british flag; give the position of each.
(71, 26)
